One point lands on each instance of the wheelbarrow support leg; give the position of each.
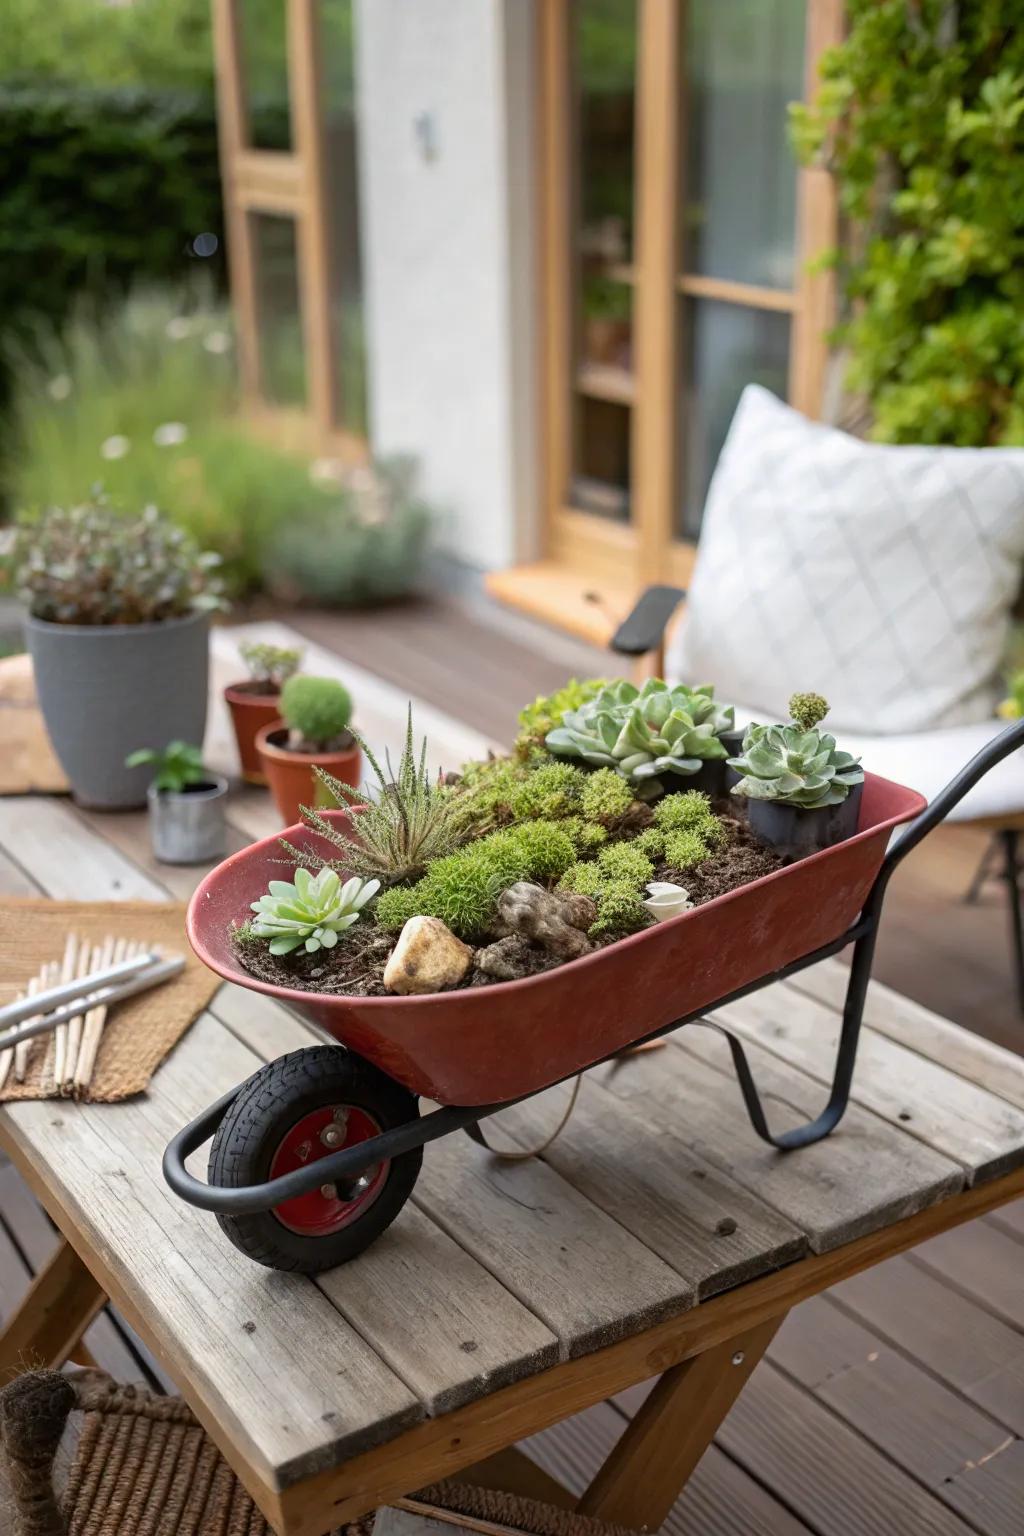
(849, 1035)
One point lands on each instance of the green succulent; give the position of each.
(795, 766)
(643, 734)
(310, 911)
(540, 717)
(316, 710)
(270, 666)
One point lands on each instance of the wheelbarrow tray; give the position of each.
(486, 1045)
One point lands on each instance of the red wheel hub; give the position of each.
(318, 1135)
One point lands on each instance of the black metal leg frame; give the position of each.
(343, 1168)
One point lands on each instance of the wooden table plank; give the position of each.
(439, 1319)
(911, 1024)
(991, 1496)
(864, 1177)
(982, 1133)
(589, 1280)
(712, 1231)
(67, 860)
(954, 1337)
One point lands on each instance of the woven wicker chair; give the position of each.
(143, 1464)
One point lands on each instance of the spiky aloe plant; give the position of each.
(310, 911)
(406, 823)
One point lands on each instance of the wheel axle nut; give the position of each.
(328, 1191)
(333, 1135)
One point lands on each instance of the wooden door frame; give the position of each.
(647, 550)
(291, 184)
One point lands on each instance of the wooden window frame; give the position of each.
(619, 557)
(290, 184)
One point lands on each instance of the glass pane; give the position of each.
(607, 333)
(605, 44)
(726, 347)
(282, 356)
(263, 58)
(745, 63)
(340, 144)
(601, 483)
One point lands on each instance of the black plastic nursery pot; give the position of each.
(794, 832)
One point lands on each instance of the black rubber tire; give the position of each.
(266, 1108)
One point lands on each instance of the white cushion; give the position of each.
(880, 576)
(927, 760)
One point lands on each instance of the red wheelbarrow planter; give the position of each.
(325, 1144)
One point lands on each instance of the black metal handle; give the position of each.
(643, 629)
(991, 753)
(341, 1168)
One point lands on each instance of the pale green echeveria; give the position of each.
(795, 767)
(644, 733)
(312, 911)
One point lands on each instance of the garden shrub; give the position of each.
(920, 117)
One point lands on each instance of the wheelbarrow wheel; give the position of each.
(297, 1110)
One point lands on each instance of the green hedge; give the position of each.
(98, 188)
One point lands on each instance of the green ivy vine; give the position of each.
(920, 116)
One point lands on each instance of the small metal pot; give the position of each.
(189, 827)
(794, 833)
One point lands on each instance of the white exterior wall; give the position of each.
(448, 258)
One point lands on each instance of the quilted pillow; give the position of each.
(881, 576)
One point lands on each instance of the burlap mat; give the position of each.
(144, 1465)
(27, 762)
(141, 1030)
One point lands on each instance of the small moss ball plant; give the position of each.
(584, 845)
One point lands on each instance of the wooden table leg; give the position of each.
(62, 1301)
(647, 1470)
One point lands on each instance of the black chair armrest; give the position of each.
(644, 629)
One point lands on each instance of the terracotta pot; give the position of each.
(290, 774)
(250, 711)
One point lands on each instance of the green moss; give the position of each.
(606, 796)
(244, 933)
(650, 841)
(393, 908)
(548, 792)
(685, 849)
(584, 879)
(678, 813)
(587, 835)
(620, 910)
(625, 863)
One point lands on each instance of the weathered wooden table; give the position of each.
(657, 1237)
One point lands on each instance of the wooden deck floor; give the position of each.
(894, 1402)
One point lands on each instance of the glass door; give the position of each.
(288, 125)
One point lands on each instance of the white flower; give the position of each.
(217, 341)
(170, 434)
(667, 900)
(59, 387)
(115, 447)
(326, 472)
(178, 328)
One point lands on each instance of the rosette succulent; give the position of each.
(644, 733)
(311, 911)
(796, 764)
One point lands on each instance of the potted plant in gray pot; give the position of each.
(118, 616)
(803, 792)
(186, 804)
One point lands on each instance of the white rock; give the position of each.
(427, 958)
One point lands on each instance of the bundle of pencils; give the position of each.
(71, 997)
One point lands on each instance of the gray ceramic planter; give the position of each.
(107, 689)
(189, 828)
